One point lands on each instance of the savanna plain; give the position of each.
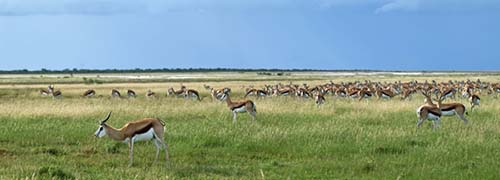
(292, 138)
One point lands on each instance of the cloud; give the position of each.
(399, 5)
(439, 6)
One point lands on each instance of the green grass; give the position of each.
(46, 138)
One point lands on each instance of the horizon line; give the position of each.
(155, 70)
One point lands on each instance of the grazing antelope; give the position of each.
(55, 94)
(448, 93)
(320, 99)
(450, 109)
(240, 107)
(48, 92)
(131, 93)
(302, 92)
(364, 93)
(218, 93)
(384, 93)
(353, 93)
(256, 92)
(51, 89)
(140, 130)
(430, 112)
(179, 93)
(150, 94)
(427, 112)
(340, 92)
(44, 92)
(115, 94)
(474, 100)
(89, 93)
(407, 94)
(284, 92)
(191, 93)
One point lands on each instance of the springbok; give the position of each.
(364, 93)
(450, 109)
(179, 93)
(429, 111)
(320, 99)
(55, 94)
(89, 93)
(150, 94)
(44, 92)
(140, 130)
(283, 92)
(474, 101)
(384, 93)
(191, 93)
(240, 107)
(256, 92)
(407, 94)
(47, 92)
(217, 93)
(131, 93)
(115, 93)
(448, 93)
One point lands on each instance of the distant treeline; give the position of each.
(138, 70)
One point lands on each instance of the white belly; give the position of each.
(432, 117)
(448, 113)
(142, 137)
(242, 109)
(386, 96)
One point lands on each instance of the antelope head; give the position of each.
(101, 132)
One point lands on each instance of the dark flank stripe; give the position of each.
(449, 108)
(353, 93)
(238, 106)
(434, 112)
(386, 94)
(144, 129)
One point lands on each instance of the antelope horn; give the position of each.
(107, 118)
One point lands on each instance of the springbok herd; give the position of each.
(432, 109)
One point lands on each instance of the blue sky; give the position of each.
(313, 34)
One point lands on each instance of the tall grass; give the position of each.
(53, 138)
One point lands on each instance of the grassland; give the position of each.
(43, 138)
